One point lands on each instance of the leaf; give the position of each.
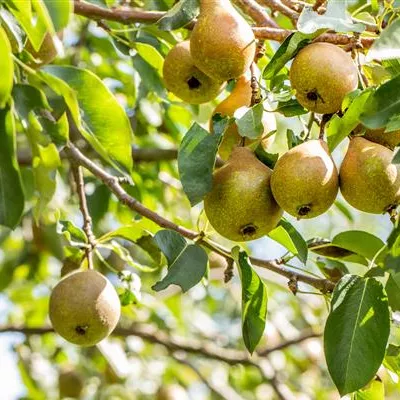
(104, 123)
(392, 359)
(332, 269)
(151, 78)
(339, 128)
(290, 238)
(382, 105)
(196, 159)
(290, 108)
(374, 391)
(72, 232)
(6, 68)
(356, 332)
(179, 15)
(254, 301)
(13, 30)
(60, 12)
(387, 45)
(187, 264)
(287, 50)
(151, 56)
(11, 192)
(335, 18)
(250, 124)
(269, 159)
(393, 291)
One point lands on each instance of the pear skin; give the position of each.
(388, 139)
(240, 97)
(322, 74)
(305, 180)
(185, 80)
(240, 205)
(368, 179)
(84, 308)
(222, 43)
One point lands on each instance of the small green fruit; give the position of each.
(84, 308)
(185, 80)
(70, 384)
(305, 180)
(322, 74)
(240, 205)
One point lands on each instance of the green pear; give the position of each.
(70, 384)
(305, 180)
(322, 74)
(185, 80)
(222, 43)
(84, 307)
(368, 179)
(240, 205)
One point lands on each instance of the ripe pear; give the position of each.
(387, 139)
(222, 43)
(70, 384)
(46, 53)
(240, 97)
(322, 74)
(368, 179)
(305, 180)
(84, 308)
(185, 80)
(240, 205)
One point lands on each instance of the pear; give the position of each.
(216, 261)
(84, 308)
(305, 180)
(322, 74)
(185, 80)
(388, 139)
(368, 179)
(240, 97)
(46, 53)
(240, 205)
(222, 43)
(70, 384)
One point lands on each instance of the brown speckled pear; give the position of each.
(222, 43)
(84, 308)
(322, 74)
(185, 80)
(240, 97)
(305, 180)
(240, 205)
(368, 179)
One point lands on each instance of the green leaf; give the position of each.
(392, 359)
(393, 291)
(374, 391)
(6, 68)
(179, 15)
(72, 233)
(13, 30)
(250, 124)
(151, 56)
(382, 105)
(104, 123)
(290, 238)
(151, 78)
(269, 159)
(387, 45)
(356, 332)
(60, 12)
(332, 269)
(335, 17)
(11, 192)
(254, 301)
(291, 108)
(339, 128)
(196, 159)
(287, 50)
(187, 264)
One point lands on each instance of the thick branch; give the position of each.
(256, 13)
(277, 5)
(73, 153)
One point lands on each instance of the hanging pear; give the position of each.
(240, 205)
(388, 139)
(322, 74)
(368, 179)
(222, 43)
(185, 80)
(240, 97)
(305, 180)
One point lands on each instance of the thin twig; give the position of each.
(87, 219)
(277, 5)
(256, 13)
(255, 88)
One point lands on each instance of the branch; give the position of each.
(112, 182)
(256, 12)
(277, 5)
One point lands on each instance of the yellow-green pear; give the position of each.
(368, 179)
(240, 97)
(222, 43)
(322, 74)
(240, 205)
(305, 180)
(84, 308)
(70, 384)
(185, 80)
